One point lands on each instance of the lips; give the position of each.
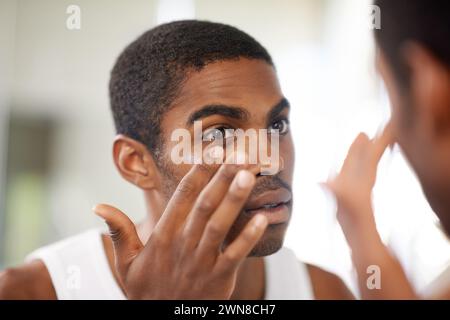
(269, 199)
(273, 204)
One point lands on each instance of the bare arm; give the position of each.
(352, 188)
(29, 281)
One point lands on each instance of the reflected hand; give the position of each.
(353, 186)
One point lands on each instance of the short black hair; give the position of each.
(423, 21)
(148, 74)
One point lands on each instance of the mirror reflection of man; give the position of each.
(211, 231)
(414, 61)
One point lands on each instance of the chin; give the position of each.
(271, 241)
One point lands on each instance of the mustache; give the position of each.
(267, 183)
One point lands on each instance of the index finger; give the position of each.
(185, 195)
(382, 141)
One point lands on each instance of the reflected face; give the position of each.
(399, 102)
(236, 94)
(424, 145)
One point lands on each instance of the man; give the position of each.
(414, 61)
(211, 231)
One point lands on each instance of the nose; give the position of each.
(271, 166)
(252, 147)
(269, 157)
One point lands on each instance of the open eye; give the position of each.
(281, 125)
(217, 133)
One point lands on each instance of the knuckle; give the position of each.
(186, 186)
(230, 258)
(116, 234)
(215, 230)
(205, 205)
(235, 196)
(228, 172)
(186, 233)
(158, 240)
(205, 169)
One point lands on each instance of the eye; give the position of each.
(281, 125)
(217, 133)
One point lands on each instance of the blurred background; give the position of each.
(56, 130)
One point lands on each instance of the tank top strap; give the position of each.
(79, 268)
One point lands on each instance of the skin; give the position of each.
(196, 239)
(420, 124)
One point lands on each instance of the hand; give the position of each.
(353, 186)
(183, 257)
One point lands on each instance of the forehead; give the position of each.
(250, 84)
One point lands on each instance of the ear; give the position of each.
(429, 86)
(134, 162)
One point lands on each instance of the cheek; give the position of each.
(414, 146)
(396, 124)
(287, 152)
(402, 137)
(177, 171)
(171, 173)
(404, 125)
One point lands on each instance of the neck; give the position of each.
(250, 280)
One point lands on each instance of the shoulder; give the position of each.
(444, 296)
(28, 281)
(327, 286)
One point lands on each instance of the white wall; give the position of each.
(64, 74)
(7, 37)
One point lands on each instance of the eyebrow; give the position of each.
(234, 112)
(278, 108)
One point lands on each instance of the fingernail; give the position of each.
(244, 179)
(98, 212)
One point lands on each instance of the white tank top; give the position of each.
(79, 269)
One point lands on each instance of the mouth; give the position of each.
(273, 204)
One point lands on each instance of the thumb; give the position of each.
(123, 233)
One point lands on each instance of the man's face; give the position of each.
(420, 127)
(245, 95)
